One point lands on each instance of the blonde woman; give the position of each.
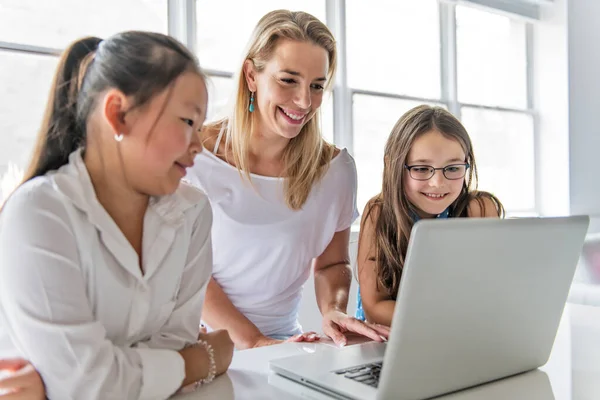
(283, 199)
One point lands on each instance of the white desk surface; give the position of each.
(572, 373)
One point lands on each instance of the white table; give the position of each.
(573, 372)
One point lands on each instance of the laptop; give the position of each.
(479, 300)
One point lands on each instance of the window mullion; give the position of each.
(182, 22)
(448, 57)
(342, 96)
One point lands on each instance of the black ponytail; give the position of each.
(62, 132)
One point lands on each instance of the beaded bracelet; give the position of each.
(212, 367)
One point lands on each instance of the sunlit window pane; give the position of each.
(503, 146)
(394, 46)
(492, 61)
(225, 26)
(25, 81)
(219, 93)
(57, 23)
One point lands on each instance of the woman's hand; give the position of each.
(22, 383)
(336, 323)
(222, 346)
(302, 337)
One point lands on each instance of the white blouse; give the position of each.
(74, 301)
(262, 249)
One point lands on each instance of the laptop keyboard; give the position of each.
(367, 374)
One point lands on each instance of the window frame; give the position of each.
(182, 25)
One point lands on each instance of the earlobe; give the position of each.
(250, 75)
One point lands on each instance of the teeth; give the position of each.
(435, 196)
(293, 116)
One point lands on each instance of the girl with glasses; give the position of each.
(429, 172)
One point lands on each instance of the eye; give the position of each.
(452, 168)
(318, 86)
(188, 121)
(420, 169)
(289, 81)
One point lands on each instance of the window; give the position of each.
(225, 26)
(396, 61)
(492, 72)
(57, 23)
(384, 54)
(398, 54)
(504, 148)
(30, 30)
(25, 81)
(492, 60)
(219, 91)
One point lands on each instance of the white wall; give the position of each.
(583, 28)
(551, 99)
(567, 94)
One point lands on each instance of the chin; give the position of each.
(288, 134)
(167, 188)
(427, 208)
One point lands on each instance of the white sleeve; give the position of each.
(348, 188)
(45, 310)
(182, 327)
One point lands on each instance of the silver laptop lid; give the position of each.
(479, 299)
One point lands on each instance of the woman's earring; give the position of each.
(251, 107)
(119, 137)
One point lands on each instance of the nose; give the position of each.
(303, 98)
(438, 178)
(195, 144)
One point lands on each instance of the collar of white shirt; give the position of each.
(73, 182)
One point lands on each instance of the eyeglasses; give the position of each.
(426, 172)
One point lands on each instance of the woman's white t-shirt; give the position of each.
(262, 249)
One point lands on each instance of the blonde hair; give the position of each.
(307, 156)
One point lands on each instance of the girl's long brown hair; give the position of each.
(391, 211)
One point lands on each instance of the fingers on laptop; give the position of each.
(382, 330)
(332, 330)
(365, 329)
(305, 337)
